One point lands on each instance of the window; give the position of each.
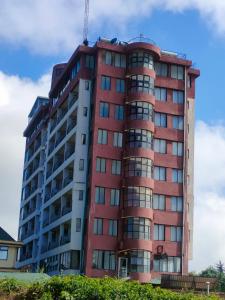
(159, 232)
(160, 94)
(89, 62)
(119, 112)
(116, 167)
(138, 166)
(120, 60)
(81, 195)
(115, 197)
(177, 204)
(177, 176)
(177, 72)
(160, 173)
(115, 59)
(160, 120)
(86, 85)
(170, 264)
(139, 110)
(175, 233)
(78, 224)
(113, 227)
(120, 85)
(75, 70)
(141, 84)
(178, 97)
(108, 58)
(106, 83)
(137, 228)
(102, 136)
(104, 110)
(161, 69)
(138, 196)
(189, 81)
(3, 253)
(81, 164)
(139, 138)
(160, 146)
(178, 122)
(105, 260)
(177, 148)
(100, 195)
(139, 261)
(83, 139)
(98, 226)
(117, 139)
(100, 165)
(85, 111)
(159, 202)
(141, 59)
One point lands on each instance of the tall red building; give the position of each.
(130, 190)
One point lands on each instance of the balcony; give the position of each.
(65, 240)
(47, 196)
(73, 100)
(67, 180)
(53, 124)
(46, 221)
(53, 244)
(66, 210)
(59, 138)
(69, 152)
(54, 217)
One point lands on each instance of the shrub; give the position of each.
(84, 288)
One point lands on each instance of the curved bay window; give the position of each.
(139, 261)
(141, 84)
(137, 228)
(139, 138)
(138, 166)
(141, 59)
(138, 196)
(139, 110)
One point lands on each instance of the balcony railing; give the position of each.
(67, 180)
(54, 217)
(66, 210)
(53, 244)
(65, 239)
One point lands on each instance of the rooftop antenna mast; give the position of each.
(86, 16)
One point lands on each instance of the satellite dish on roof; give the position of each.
(113, 41)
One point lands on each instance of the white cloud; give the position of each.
(16, 99)
(56, 25)
(209, 221)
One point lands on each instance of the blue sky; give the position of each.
(35, 35)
